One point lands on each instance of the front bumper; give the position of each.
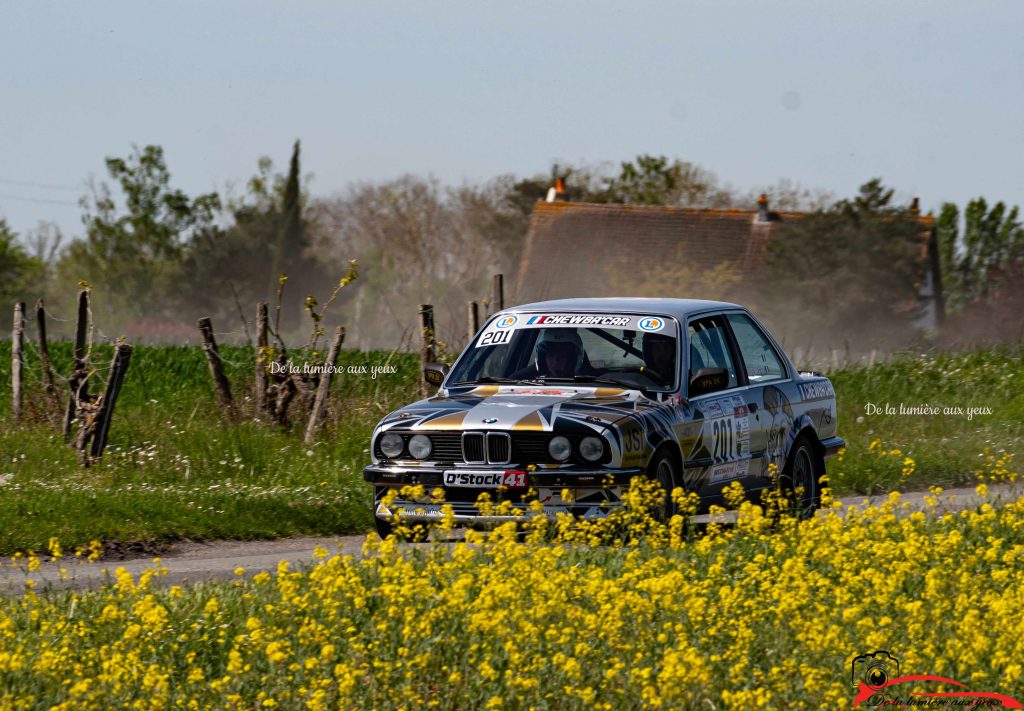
(595, 492)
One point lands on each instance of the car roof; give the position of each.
(679, 308)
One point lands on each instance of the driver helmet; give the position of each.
(553, 340)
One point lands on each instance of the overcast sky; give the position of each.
(928, 95)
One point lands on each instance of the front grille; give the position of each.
(447, 447)
(473, 447)
(499, 447)
(492, 448)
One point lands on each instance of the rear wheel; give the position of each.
(799, 481)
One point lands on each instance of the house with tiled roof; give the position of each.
(588, 249)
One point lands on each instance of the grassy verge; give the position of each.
(174, 470)
(945, 448)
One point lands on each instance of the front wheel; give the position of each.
(664, 470)
(384, 528)
(799, 481)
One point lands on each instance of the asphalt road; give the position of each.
(192, 562)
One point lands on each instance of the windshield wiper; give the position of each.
(486, 379)
(583, 378)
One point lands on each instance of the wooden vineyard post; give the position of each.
(427, 354)
(498, 297)
(261, 359)
(49, 382)
(323, 389)
(78, 384)
(17, 360)
(118, 368)
(220, 380)
(472, 321)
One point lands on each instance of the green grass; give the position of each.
(946, 448)
(173, 470)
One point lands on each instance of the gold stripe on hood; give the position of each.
(484, 391)
(448, 421)
(530, 423)
(608, 392)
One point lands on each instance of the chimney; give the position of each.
(762, 208)
(915, 206)
(557, 191)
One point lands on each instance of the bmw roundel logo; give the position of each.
(651, 323)
(507, 321)
(490, 420)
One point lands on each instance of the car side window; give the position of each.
(759, 358)
(709, 347)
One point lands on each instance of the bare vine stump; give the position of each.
(323, 389)
(118, 368)
(472, 321)
(427, 352)
(49, 381)
(220, 380)
(78, 385)
(262, 359)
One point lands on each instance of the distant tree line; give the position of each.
(160, 258)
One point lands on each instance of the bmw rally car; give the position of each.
(585, 394)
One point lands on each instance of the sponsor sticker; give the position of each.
(817, 390)
(726, 472)
(419, 509)
(495, 338)
(506, 321)
(651, 324)
(578, 320)
(465, 479)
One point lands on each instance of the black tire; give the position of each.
(799, 480)
(664, 470)
(384, 528)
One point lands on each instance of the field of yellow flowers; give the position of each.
(626, 614)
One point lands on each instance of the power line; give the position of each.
(42, 200)
(46, 186)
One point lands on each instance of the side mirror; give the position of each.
(435, 373)
(708, 380)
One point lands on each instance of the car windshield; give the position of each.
(635, 351)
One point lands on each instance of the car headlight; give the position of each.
(591, 448)
(559, 448)
(420, 446)
(391, 445)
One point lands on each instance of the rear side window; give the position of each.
(759, 358)
(709, 347)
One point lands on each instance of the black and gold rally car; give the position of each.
(585, 394)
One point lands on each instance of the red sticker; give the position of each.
(514, 479)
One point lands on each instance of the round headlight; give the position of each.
(559, 448)
(391, 445)
(591, 448)
(420, 446)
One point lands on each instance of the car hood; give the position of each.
(538, 408)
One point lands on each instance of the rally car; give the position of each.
(585, 394)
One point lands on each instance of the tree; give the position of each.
(653, 180)
(135, 252)
(21, 274)
(860, 262)
(992, 243)
(270, 236)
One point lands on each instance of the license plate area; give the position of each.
(485, 479)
